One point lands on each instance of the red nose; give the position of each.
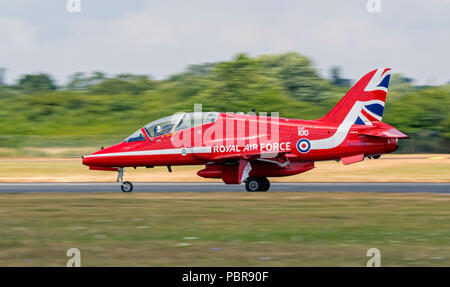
(97, 163)
(91, 161)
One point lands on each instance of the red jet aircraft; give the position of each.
(241, 148)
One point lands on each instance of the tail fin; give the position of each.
(364, 103)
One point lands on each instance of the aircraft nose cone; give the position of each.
(87, 160)
(84, 160)
(98, 159)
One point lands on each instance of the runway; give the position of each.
(220, 187)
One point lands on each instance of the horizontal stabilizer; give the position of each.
(388, 132)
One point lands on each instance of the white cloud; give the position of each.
(144, 28)
(350, 32)
(250, 37)
(16, 32)
(162, 37)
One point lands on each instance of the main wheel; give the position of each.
(127, 186)
(253, 184)
(265, 184)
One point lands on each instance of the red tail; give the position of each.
(365, 100)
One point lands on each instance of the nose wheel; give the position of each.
(125, 186)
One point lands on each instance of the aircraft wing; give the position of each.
(219, 158)
(244, 163)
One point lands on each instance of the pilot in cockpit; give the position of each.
(157, 130)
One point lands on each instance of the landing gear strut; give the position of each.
(257, 183)
(125, 186)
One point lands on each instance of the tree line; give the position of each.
(36, 110)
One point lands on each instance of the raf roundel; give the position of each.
(303, 145)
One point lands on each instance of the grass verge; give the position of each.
(225, 229)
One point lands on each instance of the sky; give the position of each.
(160, 38)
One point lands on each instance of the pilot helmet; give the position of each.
(158, 129)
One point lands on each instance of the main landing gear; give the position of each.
(257, 183)
(125, 186)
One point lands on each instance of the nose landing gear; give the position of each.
(125, 186)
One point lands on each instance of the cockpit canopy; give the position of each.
(176, 122)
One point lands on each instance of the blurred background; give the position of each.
(78, 75)
(72, 81)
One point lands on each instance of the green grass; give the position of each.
(231, 229)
